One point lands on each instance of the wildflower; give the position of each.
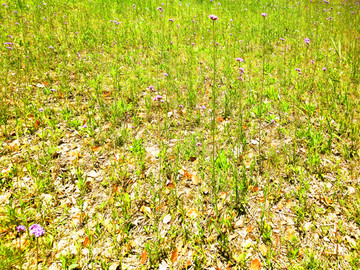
(179, 123)
(264, 15)
(158, 97)
(152, 88)
(171, 20)
(132, 127)
(277, 151)
(203, 107)
(272, 121)
(324, 68)
(193, 21)
(241, 70)
(213, 17)
(84, 126)
(283, 39)
(198, 144)
(51, 47)
(230, 34)
(20, 228)
(171, 42)
(160, 9)
(231, 20)
(181, 106)
(41, 110)
(307, 40)
(52, 90)
(165, 74)
(239, 59)
(9, 48)
(326, 2)
(312, 62)
(36, 230)
(298, 70)
(217, 43)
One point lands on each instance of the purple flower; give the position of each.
(152, 88)
(41, 110)
(165, 74)
(312, 62)
(36, 230)
(181, 106)
(213, 17)
(10, 36)
(158, 97)
(198, 144)
(51, 47)
(239, 59)
(272, 121)
(298, 70)
(9, 48)
(203, 107)
(324, 68)
(231, 20)
(84, 126)
(217, 43)
(171, 42)
(21, 228)
(160, 9)
(52, 90)
(241, 70)
(307, 40)
(326, 1)
(283, 39)
(179, 123)
(193, 21)
(171, 20)
(263, 14)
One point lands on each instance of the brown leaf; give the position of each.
(219, 119)
(174, 255)
(249, 229)
(170, 184)
(96, 148)
(87, 242)
(37, 124)
(143, 257)
(254, 189)
(255, 265)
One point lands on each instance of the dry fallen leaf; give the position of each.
(255, 265)
(174, 255)
(192, 213)
(248, 229)
(87, 242)
(167, 219)
(263, 249)
(143, 257)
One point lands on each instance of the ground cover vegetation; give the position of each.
(179, 135)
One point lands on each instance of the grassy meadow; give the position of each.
(151, 135)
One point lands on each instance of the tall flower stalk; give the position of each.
(213, 125)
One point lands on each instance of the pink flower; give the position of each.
(307, 40)
(152, 88)
(158, 97)
(213, 17)
(171, 20)
(239, 59)
(263, 14)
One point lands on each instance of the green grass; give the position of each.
(230, 169)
